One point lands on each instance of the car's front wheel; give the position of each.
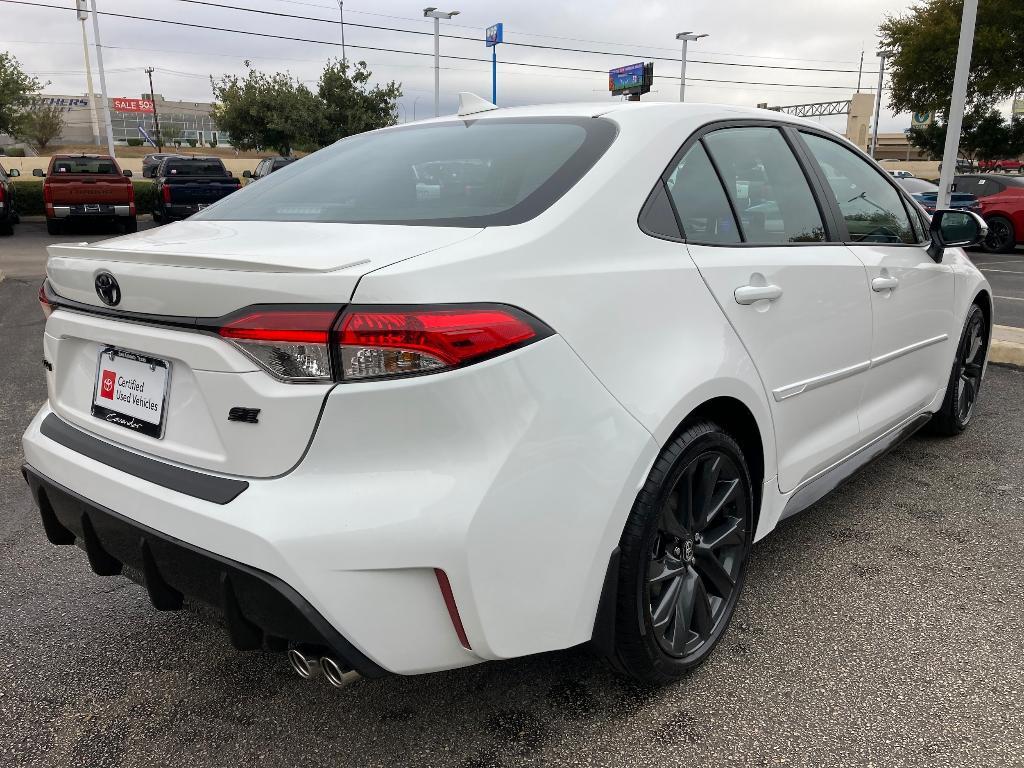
(683, 555)
(1001, 237)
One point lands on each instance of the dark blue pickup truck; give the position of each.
(185, 185)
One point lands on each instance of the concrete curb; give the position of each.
(1007, 346)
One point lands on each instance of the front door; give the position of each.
(911, 295)
(799, 303)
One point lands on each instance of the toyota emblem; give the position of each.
(107, 289)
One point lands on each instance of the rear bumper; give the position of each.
(184, 210)
(84, 212)
(511, 476)
(259, 609)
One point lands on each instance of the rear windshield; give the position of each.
(468, 173)
(917, 186)
(194, 168)
(84, 165)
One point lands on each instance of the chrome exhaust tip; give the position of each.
(305, 666)
(336, 674)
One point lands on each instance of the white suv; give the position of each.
(499, 383)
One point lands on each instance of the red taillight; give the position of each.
(453, 609)
(166, 194)
(1, 194)
(292, 344)
(48, 194)
(44, 302)
(386, 342)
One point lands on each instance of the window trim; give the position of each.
(826, 212)
(909, 207)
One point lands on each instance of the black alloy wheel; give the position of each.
(697, 555)
(964, 385)
(683, 556)
(1001, 237)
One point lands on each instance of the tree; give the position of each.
(267, 111)
(17, 90)
(924, 42)
(986, 135)
(40, 125)
(170, 134)
(350, 106)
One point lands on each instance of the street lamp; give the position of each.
(341, 11)
(686, 37)
(436, 15)
(414, 100)
(882, 56)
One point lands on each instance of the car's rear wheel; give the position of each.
(130, 224)
(683, 556)
(965, 379)
(6, 229)
(1001, 238)
(53, 227)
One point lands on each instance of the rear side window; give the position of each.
(700, 201)
(768, 189)
(872, 208)
(194, 168)
(468, 173)
(91, 165)
(988, 187)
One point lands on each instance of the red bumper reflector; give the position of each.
(453, 609)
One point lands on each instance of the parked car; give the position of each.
(899, 174)
(556, 406)
(927, 194)
(8, 201)
(962, 166)
(87, 188)
(151, 162)
(1001, 166)
(267, 167)
(185, 185)
(1002, 207)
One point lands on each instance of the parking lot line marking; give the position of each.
(1010, 298)
(1004, 271)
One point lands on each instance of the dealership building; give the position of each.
(133, 118)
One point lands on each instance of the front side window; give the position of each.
(872, 208)
(468, 173)
(700, 201)
(768, 189)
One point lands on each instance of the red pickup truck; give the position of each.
(1016, 166)
(87, 187)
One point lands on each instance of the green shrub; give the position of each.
(15, 151)
(192, 142)
(134, 142)
(30, 197)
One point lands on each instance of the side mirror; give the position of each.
(14, 173)
(955, 229)
(38, 172)
(126, 173)
(246, 174)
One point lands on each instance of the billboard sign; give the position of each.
(494, 35)
(133, 105)
(633, 78)
(1018, 106)
(921, 119)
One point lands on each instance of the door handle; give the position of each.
(884, 283)
(748, 294)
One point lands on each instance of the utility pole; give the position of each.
(83, 14)
(860, 69)
(882, 56)
(686, 37)
(103, 80)
(341, 10)
(156, 117)
(436, 15)
(957, 102)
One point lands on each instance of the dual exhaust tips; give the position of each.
(308, 664)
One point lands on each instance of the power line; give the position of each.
(281, 14)
(269, 35)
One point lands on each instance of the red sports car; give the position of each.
(1002, 206)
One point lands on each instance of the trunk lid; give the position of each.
(210, 269)
(186, 191)
(69, 190)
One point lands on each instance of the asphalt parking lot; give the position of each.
(881, 627)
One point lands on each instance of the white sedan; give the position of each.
(550, 396)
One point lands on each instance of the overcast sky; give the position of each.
(806, 35)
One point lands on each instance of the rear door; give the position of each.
(911, 295)
(797, 301)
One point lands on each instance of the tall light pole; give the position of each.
(882, 56)
(103, 79)
(414, 100)
(156, 116)
(341, 11)
(83, 14)
(436, 15)
(957, 102)
(686, 37)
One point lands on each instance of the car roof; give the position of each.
(1013, 181)
(72, 155)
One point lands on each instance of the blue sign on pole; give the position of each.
(146, 136)
(492, 38)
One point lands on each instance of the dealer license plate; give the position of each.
(131, 391)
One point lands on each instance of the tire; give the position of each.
(964, 385)
(677, 591)
(130, 224)
(1002, 237)
(53, 227)
(6, 229)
